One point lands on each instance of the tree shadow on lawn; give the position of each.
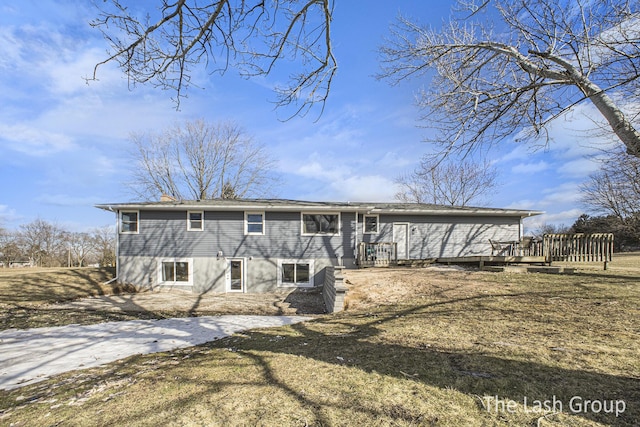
(54, 286)
(354, 342)
(361, 341)
(485, 376)
(480, 375)
(22, 317)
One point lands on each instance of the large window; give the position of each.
(129, 222)
(295, 273)
(371, 224)
(175, 271)
(254, 223)
(320, 223)
(195, 220)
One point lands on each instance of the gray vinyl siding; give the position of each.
(164, 234)
(446, 236)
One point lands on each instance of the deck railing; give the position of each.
(578, 247)
(380, 254)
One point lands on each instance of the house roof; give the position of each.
(300, 205)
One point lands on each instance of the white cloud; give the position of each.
(8, 215)
(28, 139)
(566, 193)
(368, 188)
(530, 168)
(565, 217)
(524, 204)
(324, 172)
(520, 152)
(561, 204)
(579, 168)
(392, 159)
(339, 182)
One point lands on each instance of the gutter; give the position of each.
(337, 208)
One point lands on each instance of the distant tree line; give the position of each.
(626, 233)
(44, 244)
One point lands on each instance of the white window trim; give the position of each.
(364, 223)
(174, 283)
(120, 222)
(246, 223)
(312, 272)
(189, 221)
(302, 214)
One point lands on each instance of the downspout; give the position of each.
(117, 250)
(521, 225)
(355, 250)
(520, 228)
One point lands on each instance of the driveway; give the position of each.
(32, 355)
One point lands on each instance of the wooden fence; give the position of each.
(380, 254)
(578, 247)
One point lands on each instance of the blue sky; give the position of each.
(64, 144)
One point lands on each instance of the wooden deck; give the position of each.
(577, 247)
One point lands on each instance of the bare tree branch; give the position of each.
(547, 56)
(250, 36)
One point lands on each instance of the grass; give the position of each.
(416, 347)
(26, 296)
(31, 298)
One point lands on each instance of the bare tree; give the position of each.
(615, 190)
(163, 45)
(548, 228)
(81, 247)
(10, 250)
(541, 58)
(44, 243)
(104, 245)
(450, 182)
(201, 160)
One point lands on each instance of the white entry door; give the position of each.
(401, 237)
(235, 275)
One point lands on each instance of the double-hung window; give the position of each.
(295, 272)
(254, 223)
(320, 223)
(371, 224)
(195, 220)
(129, 222)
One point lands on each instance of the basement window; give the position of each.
(175, 271)
(295, 273)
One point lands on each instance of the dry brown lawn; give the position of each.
(31, 298)
(416, 347)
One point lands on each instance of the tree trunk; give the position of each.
(616, 118)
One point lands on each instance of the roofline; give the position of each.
(365, 209)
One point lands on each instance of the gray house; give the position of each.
(259, 245)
